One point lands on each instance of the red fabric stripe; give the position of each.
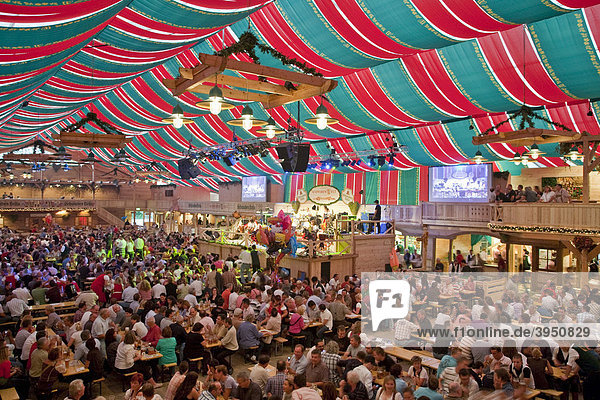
(535, 73)
(383, 187)
(429, 74)
(364, 87)
(38, 14)
(438, 144)
(440, 17)
(342, 26)
(278, 33)
(423, 183)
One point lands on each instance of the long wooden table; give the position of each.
(407, 355)
(499, 395)
(66, 304)
(76, 367)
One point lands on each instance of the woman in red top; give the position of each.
(98, 287)
(118, 289)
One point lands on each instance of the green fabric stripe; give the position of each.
(409, 187)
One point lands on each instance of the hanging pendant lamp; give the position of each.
(271, 129)
(247, 120)
(177, 117)
(322, 118)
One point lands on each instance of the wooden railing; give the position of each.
(405, 214)
(479, 215)
(555, 215)
(457, 214)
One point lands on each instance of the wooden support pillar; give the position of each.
(590, 162)
(510, 258)
(450, 259)
(424, 244)
(535, 258)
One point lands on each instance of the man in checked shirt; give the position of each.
(275, 383)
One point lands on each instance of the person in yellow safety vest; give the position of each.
(130, 248)
(139, 247)
(120, 245)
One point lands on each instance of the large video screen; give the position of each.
(254, 188)
(460, 183)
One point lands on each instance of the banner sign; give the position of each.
(324, 195)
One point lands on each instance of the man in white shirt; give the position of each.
(191, 298)
(233, 300)
(138, 326)
(326, 319)
(158, 289)
(364, 371)
(16, 306)
(86, 315)
(31, 339)
(99, 328)
(22, 293)
(127, 295)
(549, 304)
(196, 284)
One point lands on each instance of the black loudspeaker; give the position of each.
(187, 169)
(294, 156)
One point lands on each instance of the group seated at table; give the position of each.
(168, 310)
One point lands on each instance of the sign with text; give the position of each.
(324, 195)
(543, 309)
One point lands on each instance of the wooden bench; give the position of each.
(125, 379)
(167, 368)
(279, 342)
(96, 382)
(553, 394)
(9, 394)
(196, 362)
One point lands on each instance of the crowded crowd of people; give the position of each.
(147, 305)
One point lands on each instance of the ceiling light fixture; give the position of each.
(322, 118)
(177, 117)
(247, 120)
(535, 152)
(573, 154)
(478, 158)
(271, 129)
(216, 102)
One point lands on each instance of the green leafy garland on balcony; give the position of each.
(247, 44)
(543, 229)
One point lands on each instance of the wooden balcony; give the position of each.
(8, 205)
(560, 218)
(568, 219)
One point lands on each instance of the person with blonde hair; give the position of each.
(539, 368)
(388, 390)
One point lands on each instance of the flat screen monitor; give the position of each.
(254, 188)
(460, 183)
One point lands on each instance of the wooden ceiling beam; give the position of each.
(233, 93)
(253, 85)
(528, 135)
(76, 139)
(302, 92)
(261, 70)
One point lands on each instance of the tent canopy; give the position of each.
(424, 71)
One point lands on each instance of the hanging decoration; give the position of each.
(247, 44)
(544, 229)
(279, 237)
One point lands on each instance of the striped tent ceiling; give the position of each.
(425, 70)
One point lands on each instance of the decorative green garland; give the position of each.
(248, 42)
(527, 116)
(543, 229)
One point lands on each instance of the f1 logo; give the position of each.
(389, 299)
